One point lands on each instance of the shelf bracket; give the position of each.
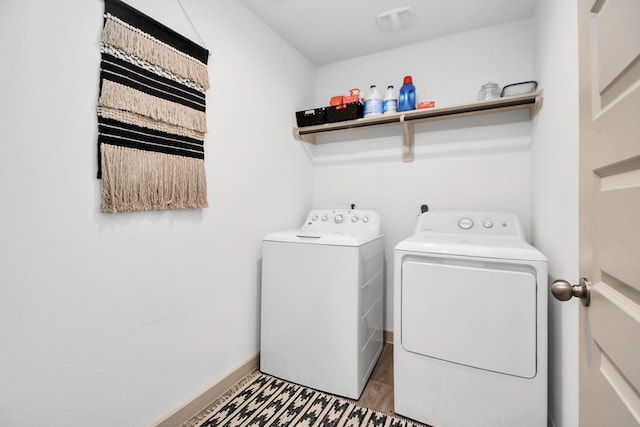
(311, 139)
(537, 105)
(408, 140)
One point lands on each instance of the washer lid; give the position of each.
(336, 238)
(476, 246)
(337, 227)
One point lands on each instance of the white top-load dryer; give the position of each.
(470, 322)
(321, 311)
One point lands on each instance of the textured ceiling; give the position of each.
(327, 31)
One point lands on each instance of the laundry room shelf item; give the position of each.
(407, 119)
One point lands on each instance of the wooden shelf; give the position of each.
(407, 119)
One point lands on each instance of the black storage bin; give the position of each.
(315, 116)
(340, 113)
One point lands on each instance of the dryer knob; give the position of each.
(339, 218)
(325, 218)
(487, 223)
(314, 218)
(354, 218)
(365, 219)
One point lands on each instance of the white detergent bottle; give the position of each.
(373, 103)
(390, 104)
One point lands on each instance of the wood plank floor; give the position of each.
(378, 393)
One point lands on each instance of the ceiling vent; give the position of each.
(396, 19)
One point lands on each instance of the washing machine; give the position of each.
(321, 302)
(470, 321)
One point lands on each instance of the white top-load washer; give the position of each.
(321, 303)
(470, 320)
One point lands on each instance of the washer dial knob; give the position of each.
(325, 218)
(314, 218)
(354, 218)
(339, 218)
(487, 223)
(465, 223)
(365, 219)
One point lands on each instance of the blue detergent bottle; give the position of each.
(407, 98)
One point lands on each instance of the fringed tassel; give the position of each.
(136, 180)
(121, 97)
(146, 122)
(145, 65)
(133, 41)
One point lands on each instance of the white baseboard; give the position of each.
(204, 399)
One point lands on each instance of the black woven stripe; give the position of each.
(175, 87)
(152, 132)
(154, 28)
(130, 81)
(123, 137)
(140, 145)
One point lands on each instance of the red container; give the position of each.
(337, 100)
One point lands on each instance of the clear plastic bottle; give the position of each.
(489, 90)
(373, 103)
(390, 104)
(407, 99)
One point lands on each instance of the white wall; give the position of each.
(122, 318)
(479, 163)
(555, 193)
(116, 320)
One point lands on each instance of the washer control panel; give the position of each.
(479, 223)
(342, 220)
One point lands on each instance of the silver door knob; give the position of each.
(563, 290)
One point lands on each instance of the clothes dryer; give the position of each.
(470, 320)
(321, 303)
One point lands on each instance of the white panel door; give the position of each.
(609, 44)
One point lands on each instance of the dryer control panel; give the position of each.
(470, 223)
(342, 221)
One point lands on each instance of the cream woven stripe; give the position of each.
(136, 180)
(137, 43)
(146, 122)
(121, 97)
(120, 54)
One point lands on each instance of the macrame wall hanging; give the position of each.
(151, 114)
